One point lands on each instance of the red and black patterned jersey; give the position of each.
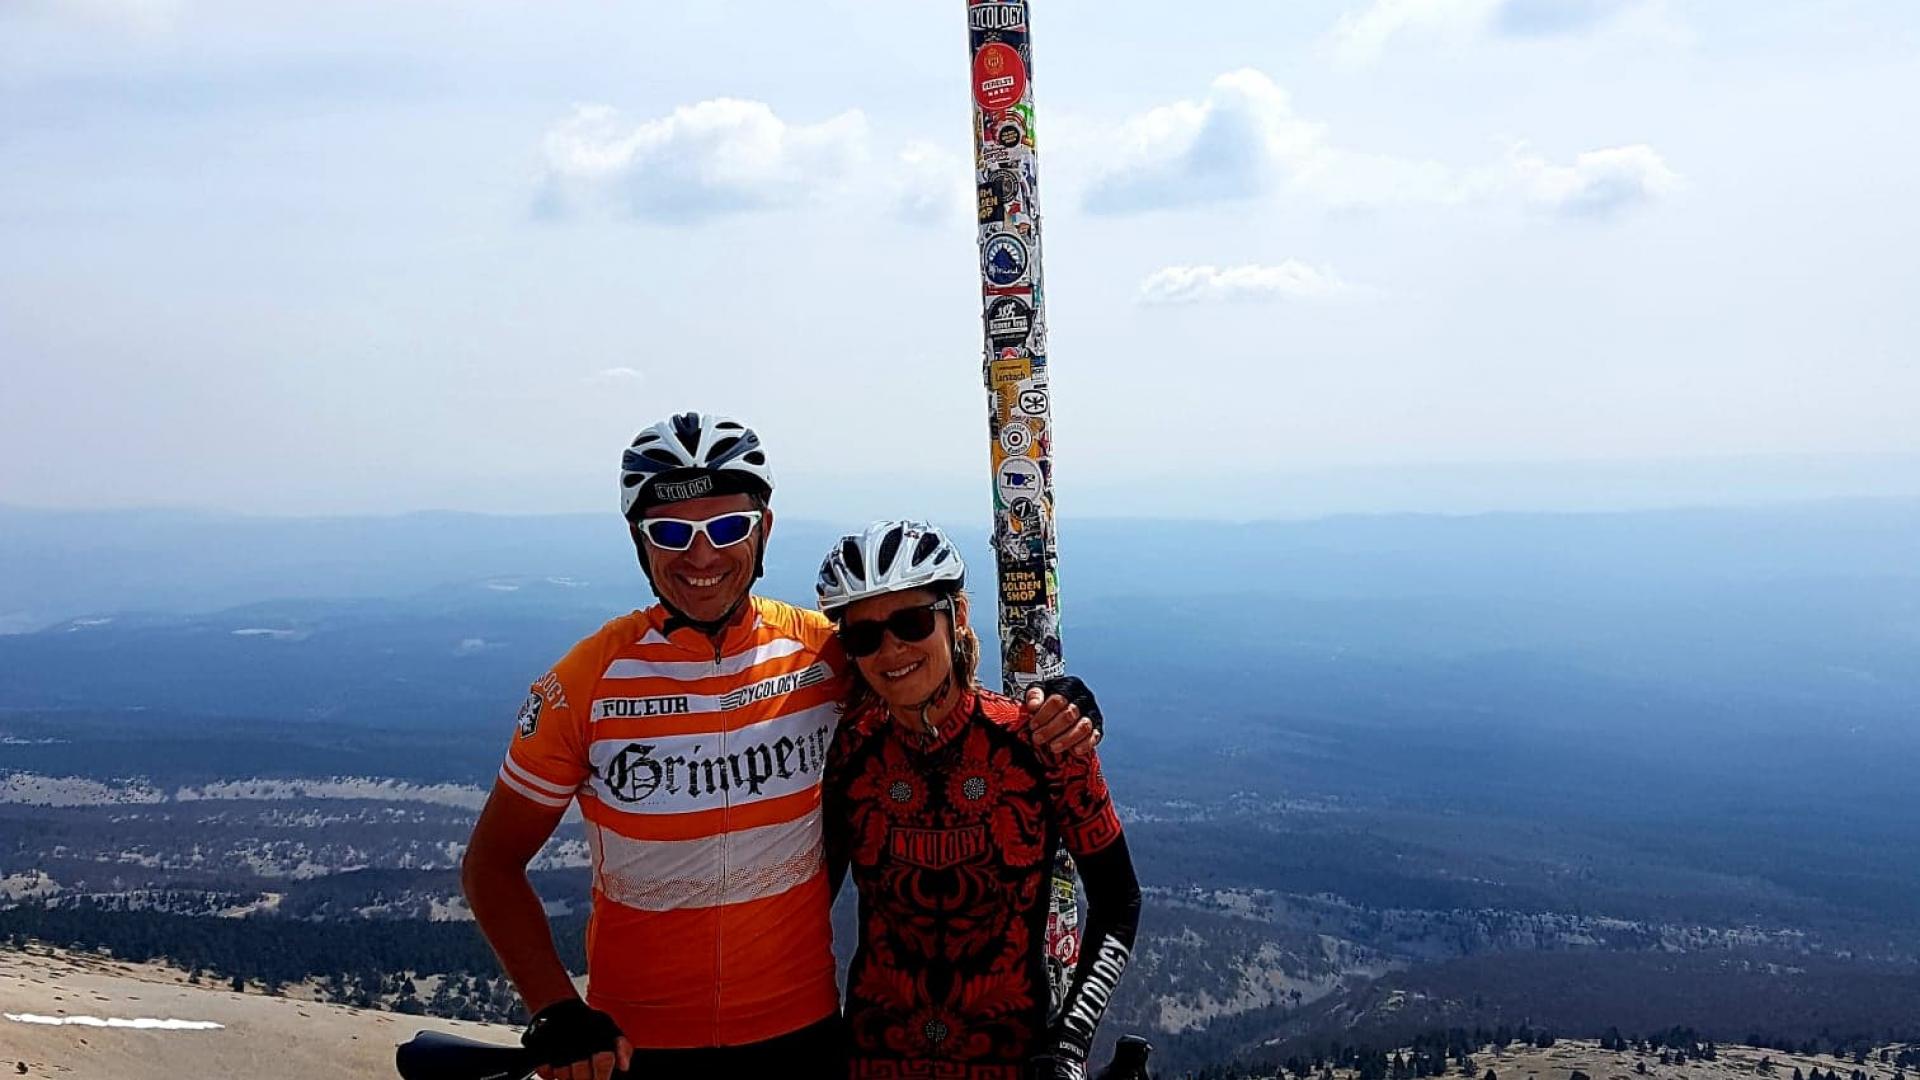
(950, 847)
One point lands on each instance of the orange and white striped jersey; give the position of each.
(697, 767)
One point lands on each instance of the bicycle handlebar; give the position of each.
(436, 1055)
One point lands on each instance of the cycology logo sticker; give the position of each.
(998, 16)
(999, 76)
(675, 774)
(1003, 259)
(1009, 321)
(688, 489)
(776, 686)
(628, 708)
(529, 719)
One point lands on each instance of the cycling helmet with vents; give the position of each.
(889, 557)
(692, 456)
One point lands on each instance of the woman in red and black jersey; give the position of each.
(947, 815)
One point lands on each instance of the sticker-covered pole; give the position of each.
(1019, 404)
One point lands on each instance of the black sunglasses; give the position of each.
(908, 624)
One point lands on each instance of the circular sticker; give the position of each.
(1010, 134)
(999, 76)
(1003, 259)
(1006, 184)
(1015, 437)
(1009, 321)
(1017, 478)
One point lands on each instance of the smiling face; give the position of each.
(704, 582)
(906, 673)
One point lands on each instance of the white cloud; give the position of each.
(1245, 141)
(712, 158)
(616, 375)
(1361, 37)
(930, 185)
(1599, 183)
(1235, 144)
(1290, 280)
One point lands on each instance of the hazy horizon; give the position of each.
(1567, 486)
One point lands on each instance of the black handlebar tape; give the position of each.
(436, 1055)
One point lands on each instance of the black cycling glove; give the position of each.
(569, 1031)
(1076, 694)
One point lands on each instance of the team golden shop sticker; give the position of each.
(1023, 585)
(992, 209)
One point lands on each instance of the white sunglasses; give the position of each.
(721, 530)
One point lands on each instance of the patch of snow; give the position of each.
(265, 632)
(34, 790)
(267, 904)
(84, 624)
(28, 885)
(464, 796)
(503, 586)
(142, 1023)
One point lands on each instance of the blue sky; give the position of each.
(1371, 254)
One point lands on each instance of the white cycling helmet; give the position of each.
(889, 557)
(691, 456)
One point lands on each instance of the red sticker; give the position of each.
(999, 76)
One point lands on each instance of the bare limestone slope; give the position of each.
(259, 1036)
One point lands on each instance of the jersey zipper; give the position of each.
(726, 845)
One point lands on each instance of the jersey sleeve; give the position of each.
(1088, 822)
(547, 758)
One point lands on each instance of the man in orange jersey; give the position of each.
(693, 735)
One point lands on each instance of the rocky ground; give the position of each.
(284, 1038)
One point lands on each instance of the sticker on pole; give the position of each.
(1033, 400)
(1017, 478)
(997, 15)
(999, 76)
(1003, 260)
(1009, 322)
(1015, 438)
